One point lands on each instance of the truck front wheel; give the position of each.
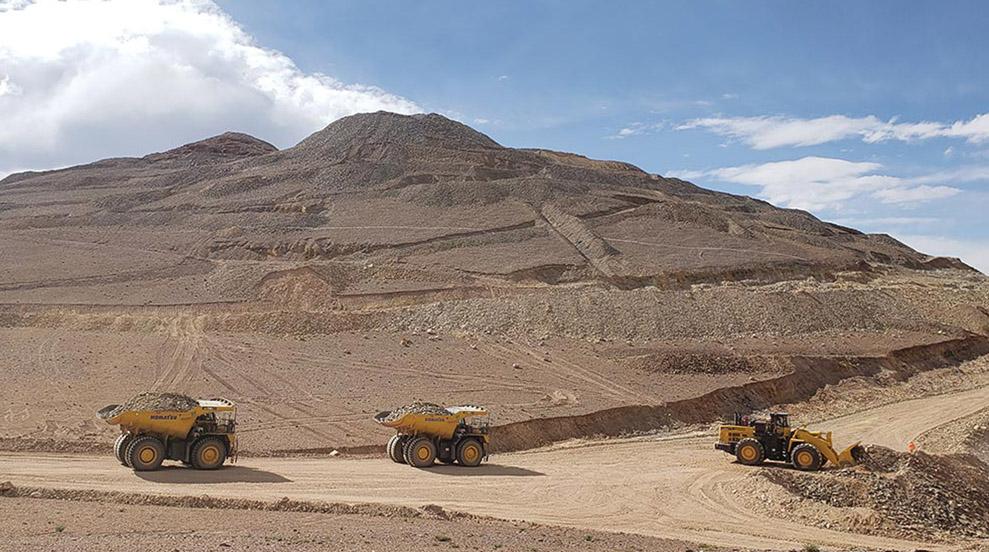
(470, 452)
(208, 453)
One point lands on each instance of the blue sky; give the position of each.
(865, 113)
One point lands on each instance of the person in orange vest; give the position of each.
(911, 447)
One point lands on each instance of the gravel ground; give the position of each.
(50, 524)
(914, 495)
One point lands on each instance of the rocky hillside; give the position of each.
(427, 202)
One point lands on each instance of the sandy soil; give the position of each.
(675, 487)
(320, 392)
(33, 524)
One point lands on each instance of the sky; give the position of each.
(873, 115)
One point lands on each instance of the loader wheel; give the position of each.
(470, 452)
(120, 447)
(396, 448)
(806, 457)
(750, 452)
(420, 452)
(145, 453)
(208, 453)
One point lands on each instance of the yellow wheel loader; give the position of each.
(198, 433)
(756, 440)
(426, 433)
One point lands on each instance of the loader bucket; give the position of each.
(850, 456)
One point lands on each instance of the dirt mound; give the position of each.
(414, 408)
(915, 494)
(7, 489)
(151, 401)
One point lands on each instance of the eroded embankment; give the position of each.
(431, 511)
(807, 375)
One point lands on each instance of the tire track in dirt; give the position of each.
(178, 364)
(572, 372)
(263, 392)
(390, 370)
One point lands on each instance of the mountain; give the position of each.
(434, 194)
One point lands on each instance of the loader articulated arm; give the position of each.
(822, 442)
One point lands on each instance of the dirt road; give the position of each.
(676, 487)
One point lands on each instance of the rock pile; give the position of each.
(914, 494)
(151, 401)
(415, 408)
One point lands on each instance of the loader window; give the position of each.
(781, 420)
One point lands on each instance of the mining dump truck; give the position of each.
(155, 427)
(753, 441)
(425, 433)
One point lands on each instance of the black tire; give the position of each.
(145, 453)
(420, 452)
(750, 452)
(806, 457)
(120, 447)
(470, 452)
(396, 448)
(208, 453)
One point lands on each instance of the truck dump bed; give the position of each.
(427, 419)
(170, 421)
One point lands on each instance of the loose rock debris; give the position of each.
(150, 401)
(415, 408)
(916, 494)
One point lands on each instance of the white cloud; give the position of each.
(914, 194)
(975, 253)
(636, 129)
(776, 131)
(821, 183)
(970, 173)
(81, 80)
(8, 88)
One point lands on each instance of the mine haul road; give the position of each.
(675, 487)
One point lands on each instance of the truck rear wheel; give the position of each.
(396, 448)
(120, 447)
(145, 453)
(806, 457)
(470, 452)
(420, 452)
(749, 451)
(208, 453)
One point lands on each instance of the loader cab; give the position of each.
(779, 420)
(773, 434)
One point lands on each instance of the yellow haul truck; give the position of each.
(427, 432)
(199, 433)
(756, 440)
